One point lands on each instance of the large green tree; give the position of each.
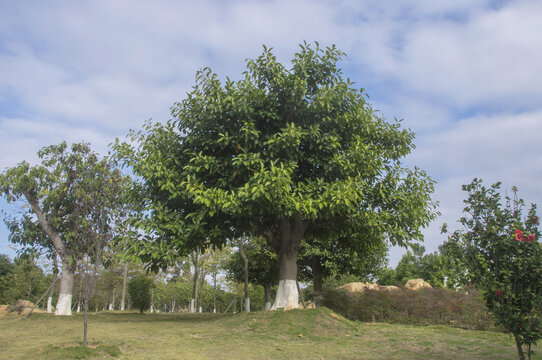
(275, 154)
(70, 197)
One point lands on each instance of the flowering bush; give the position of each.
(504, 259)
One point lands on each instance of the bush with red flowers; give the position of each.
(504, 257)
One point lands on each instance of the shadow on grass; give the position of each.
(79, 352)
(167, 317)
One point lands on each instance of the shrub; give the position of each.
(463, 309)
(139, 289)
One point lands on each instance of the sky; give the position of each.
(464, 75)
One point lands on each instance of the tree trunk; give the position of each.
(195, 285)
(317, 281)
(267, 289)
(241, 243)
(64, 303)
(152, 300)
(520, 349)
(214, 292)
(202, 283)
(123, 296)
(112, 302)
(287, 246)
(50, 303)
(287, 296)
(85, 309)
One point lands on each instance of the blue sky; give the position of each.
(464, 75)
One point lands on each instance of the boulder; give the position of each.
(358, 287)
(24, 304)
(417, 284)
(23, 307)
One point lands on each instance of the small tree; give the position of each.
(139, 289)
(504, 259)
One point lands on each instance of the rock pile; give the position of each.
(359, 287)
(21, 307)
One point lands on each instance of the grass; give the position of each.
(298, 334)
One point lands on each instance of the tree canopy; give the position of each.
(283, 153)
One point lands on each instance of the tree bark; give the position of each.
(241, 243)
(317, 280)
(123, 296)
(152, 300)
(195, 284)
(112, 300)
(287, 245)
(64, 303)
(267, 289)
(202, 283)
(214, 292)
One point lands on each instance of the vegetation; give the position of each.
(284, 153)
(463, 309)
(140, 292)
(71, 197)
(504, 259)
(310, 334)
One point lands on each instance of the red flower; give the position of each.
(519, 235)
(530, 238)
(498, 292)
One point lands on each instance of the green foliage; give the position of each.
(262, 264)
(504, 258)
(139, 289)
(436, 306)
(23, 280)
(6, 266)
(72, 194)
(280, 144)
(445, 268)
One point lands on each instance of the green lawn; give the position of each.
(300, 334)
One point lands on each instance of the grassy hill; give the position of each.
(300, 334)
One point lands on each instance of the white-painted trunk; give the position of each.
(214, 310)
(192, 306)
(267, 306)
(199, 309)
(110, 307)
(64, 304)
(50, 304)
(287, 297)
(78, 307)
(152, 309)
(247, 305)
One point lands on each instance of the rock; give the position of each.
(357, 287)
(23, 307)
(24, 304)
(310, 305)
(390, 288)
(4, 309)
(417, 284)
